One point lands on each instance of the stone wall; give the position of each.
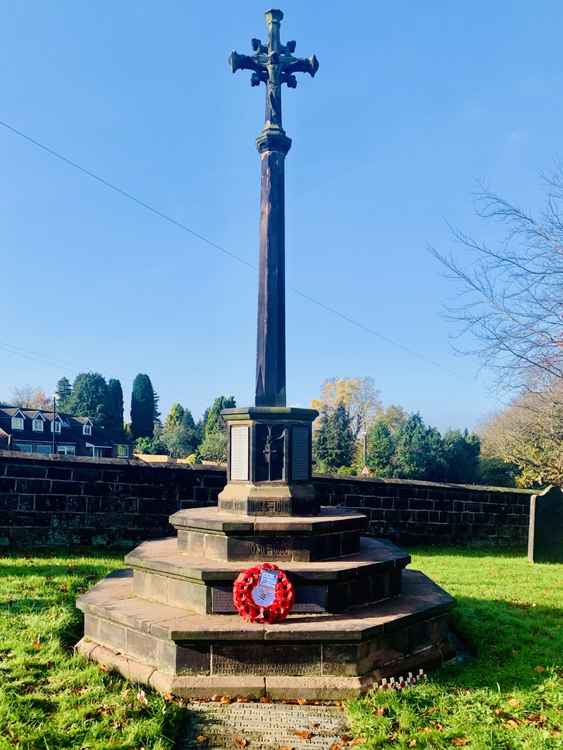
(412, 512)
(65, 500)
(70, 500)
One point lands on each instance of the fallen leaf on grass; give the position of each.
(336, 746)
(460, 741)
(537, 719)
(201, 739)
(357, 741)
(511, 724)
(381, 711)
(412, 743)
(240, 742)
(305, 734)
(539, 669)
(37, 643)
(514, 702)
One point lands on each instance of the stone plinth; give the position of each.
(311, 656)
(163, 574)
(269, 462)
(216, 535)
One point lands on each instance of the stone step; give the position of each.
(215, 534)
(164, 574)
(267, 726)
(322, 657)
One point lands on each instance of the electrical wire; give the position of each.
(180, 225)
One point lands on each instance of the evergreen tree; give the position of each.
(174, 417)
(89, 397)
(179, 434)
(380, 448)
(334, 441)
(419, 452)
(462, 453)
(343, 437)
(114, 410)
(144, 411)
(321, 441)
(63, 394)
(214, 444)
(212, 419)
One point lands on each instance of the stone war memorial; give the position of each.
(355, 613)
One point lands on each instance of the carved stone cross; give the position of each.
(273, 64)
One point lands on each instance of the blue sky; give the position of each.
(413, 105)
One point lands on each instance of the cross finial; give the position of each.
(273, 63)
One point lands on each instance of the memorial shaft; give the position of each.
(273, 64)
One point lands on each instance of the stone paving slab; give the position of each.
(265, 726)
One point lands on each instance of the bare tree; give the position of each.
(359, 396)
(529, 434)
(511, 301)
(31, 397)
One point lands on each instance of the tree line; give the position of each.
(355, 431)
(179, 436)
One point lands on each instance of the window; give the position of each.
(17, 423)
(66, 450)
(87, 429)
(24, 447)
(57, 426)
(37, 425)
(123, 451)
(41, 448)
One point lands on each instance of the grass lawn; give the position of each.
(509, 696)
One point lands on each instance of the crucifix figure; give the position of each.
(273, 64)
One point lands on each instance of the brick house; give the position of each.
(33, 430)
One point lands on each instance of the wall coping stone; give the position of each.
(214, 469)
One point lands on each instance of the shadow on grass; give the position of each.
(512, 643)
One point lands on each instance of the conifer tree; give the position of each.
(114, 410)
(89, 397)
(214, 444)
(380, 448)
(63, 394)
(144, 411)
(334, 441)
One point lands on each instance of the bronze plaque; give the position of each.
(300, 463)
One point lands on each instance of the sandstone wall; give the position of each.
(70, 501)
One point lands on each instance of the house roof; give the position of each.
(71, 427)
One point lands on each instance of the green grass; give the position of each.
(509, 696)
(49, 698)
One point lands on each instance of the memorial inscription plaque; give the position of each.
(300, 460)
(239, 452)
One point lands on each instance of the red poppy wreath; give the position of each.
(263, 594)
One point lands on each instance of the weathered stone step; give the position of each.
(265, 726)
(164, 574)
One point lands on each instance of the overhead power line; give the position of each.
(180, 225)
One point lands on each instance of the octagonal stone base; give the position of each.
(310, 656)
(162, 573)
(213, 534)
